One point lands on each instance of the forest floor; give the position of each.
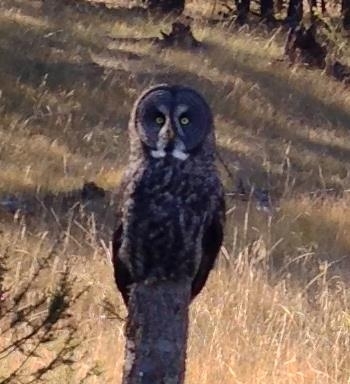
(276, 310)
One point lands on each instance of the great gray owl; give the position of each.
(172, 206)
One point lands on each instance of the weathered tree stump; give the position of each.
(301, 46)
(180, 36)
(156, 333)
(338, 71)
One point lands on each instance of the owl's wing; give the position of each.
(122, 275)
(212, 240)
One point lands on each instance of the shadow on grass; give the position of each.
(278, 90)
(57, 91)
(105, 92)
(286, 98)
(56, 11)
(89, 214)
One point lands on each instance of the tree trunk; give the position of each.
(295, 12)
(279, 6)
(166, 6)
(266, 9)
(313, 10)
(243, 7)
(156, 333)
(345, 11)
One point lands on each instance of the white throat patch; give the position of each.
(178, 154)
(179, 151)
(158, 154)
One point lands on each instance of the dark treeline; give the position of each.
(242, 8)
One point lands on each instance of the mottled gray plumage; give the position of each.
(172, 199)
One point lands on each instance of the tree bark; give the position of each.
(313, 10)
(243, 7)
(295, 12)
(279, 6)
(166, 6)
(345, 11)
(156, 333)
(266, 10)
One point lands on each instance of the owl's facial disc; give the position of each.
(167, 142)
(172, 121)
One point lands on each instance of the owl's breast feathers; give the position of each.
(172, 223)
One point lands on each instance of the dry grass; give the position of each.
(278, 310)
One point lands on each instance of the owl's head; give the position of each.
(172, 121)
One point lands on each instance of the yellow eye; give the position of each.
(184, 120)
(160, 120)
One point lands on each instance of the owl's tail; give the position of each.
(156, 332)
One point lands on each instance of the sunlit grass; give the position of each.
(276, 309)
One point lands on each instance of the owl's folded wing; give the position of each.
(211, 244)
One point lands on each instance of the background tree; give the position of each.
(166, 6)
(345, 11)
(295, 12)
(267, 9)
(243, 8)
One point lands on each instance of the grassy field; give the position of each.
(277, 308)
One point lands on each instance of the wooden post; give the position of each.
(156, 333)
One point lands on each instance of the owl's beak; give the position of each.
(169, 133)
(166, 135)
(166, 142)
